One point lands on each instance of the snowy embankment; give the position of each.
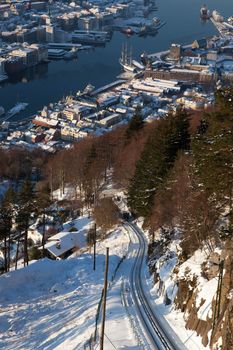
(164, 290)
(52, 304)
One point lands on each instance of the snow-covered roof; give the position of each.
(62, 243)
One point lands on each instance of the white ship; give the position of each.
(90, 37)
(217, 17)
(126, 60)
(20, 106)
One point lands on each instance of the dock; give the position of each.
(159, 55)
(107, 87)
(224, 29)
(64, 46)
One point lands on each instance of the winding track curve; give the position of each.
(158, 337)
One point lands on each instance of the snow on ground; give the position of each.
(69, 193)
(119, 332)
(52, 304)
(175, 318)
(206, 294)
(206, 289)
(81, 224)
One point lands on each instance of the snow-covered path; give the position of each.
(121, 328)
(118, 332)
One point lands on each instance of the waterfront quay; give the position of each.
(224, 27)
(33, 32)
(181, 76)
(49, 82)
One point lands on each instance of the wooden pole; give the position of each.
(104, 300)
(94, 262)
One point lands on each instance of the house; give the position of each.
(46, 122)
(63, 244)
(199, 44)
(70, 133)
(212, 55)
(110, 120)
(175, 52)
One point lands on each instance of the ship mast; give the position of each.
(126, 54)
(130, 55)
(122, 54)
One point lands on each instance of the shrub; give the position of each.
(34, 253)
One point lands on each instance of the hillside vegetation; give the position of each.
(177, 173)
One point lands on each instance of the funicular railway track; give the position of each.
(157, 337)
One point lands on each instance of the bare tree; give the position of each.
(106, 214)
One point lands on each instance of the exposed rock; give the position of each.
(224, 324)
(186, 302)
(188, 296)
(213, 271)
(214, 258)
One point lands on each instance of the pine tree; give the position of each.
(6, 217)
(43, 201)
(212, 150)
(135, 125)
(224, 102)
(88, 180)
(171, 135)
(26, 206)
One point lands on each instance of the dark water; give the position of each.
(49, 83)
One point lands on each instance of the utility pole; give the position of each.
(94, 261)
(104, 300)
(217, 308)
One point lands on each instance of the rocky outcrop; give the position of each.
(224, 324)
(186, 302)
(216, 326)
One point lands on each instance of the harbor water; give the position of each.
(48, 83)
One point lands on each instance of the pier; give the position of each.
(224, 29)
(161, 54)
(107, 87)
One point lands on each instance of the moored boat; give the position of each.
(90, 37)
(19, 107)
(204, 12)
(126, 60)
(127, 30)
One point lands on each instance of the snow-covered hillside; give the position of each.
(53, 304)
(185, 292)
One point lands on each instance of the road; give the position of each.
(158, 333)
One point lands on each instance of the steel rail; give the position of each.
(157, 337)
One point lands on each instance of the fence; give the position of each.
(92, 342)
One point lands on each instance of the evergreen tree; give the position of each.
(88, 179)
(212, 150)
(135, 124)
(6, 216)
(26, 206)
(43, 201)
(171, 135)
(213, 154)
(224, 103)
